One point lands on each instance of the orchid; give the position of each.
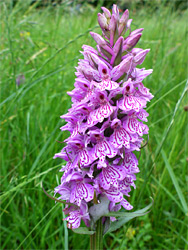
(106, 123)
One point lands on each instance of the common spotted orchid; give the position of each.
(105, 123)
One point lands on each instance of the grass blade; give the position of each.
(175, 182)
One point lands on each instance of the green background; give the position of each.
(40, 43)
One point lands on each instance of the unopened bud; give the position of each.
(129, 25)
(122, 68)
(103, 52)
(102, 21)
(116, 58)
(125, 65)
(101, 42)
(136, 31)
(123, 22)
(94, 58)
(139, 58)
(115, 11)
(131, 42)
(112, 28)
(106, 12)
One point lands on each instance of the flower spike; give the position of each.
(106, 123)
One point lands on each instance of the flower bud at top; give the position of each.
(117, 51)
(102, 21)
(106, 12)
(131, 41)
(129, 25)
(123, 23)
(101, 42)
(136, 31)
(113, 29)
(115, 11)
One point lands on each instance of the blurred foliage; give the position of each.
(123, 4)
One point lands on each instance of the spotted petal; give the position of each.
(85, 157)
(89, 192)
(130, 163)
(98, 115)
(114, 194)
(74, 220)
(133, 126)
(103, 148)
(82, 191)
(121, 138)
(107, 84)
(131, 103)
(124, 187)
(110, 176)
(129, 180)
(144, 91)
(126, 204)
(142, 114)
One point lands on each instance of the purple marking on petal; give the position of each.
(104, 112)
(133, 126)
(103, 148)
(111, 175)
(144, 90)
(142, 114)
(84, 157)
(107, 84)
(114, 194)
(89, 194)
(126, 204)
(73, 220)
(140, 74)
(123, 186)
(130, 163)
(82, 191)
(118, 172)
(105, 179)
(75, 131)
(121, 138)
(91, 120)
(98, 115)
(130, 180)
(72, 196)
(131, 103)
(130, 158)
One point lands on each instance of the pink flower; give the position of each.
(106, 122)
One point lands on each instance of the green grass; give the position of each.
(43, 44)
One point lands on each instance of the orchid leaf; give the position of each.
(126, 214)
(125, 217)
(83, 230)
(106, 225)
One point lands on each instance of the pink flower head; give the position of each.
(106, 122)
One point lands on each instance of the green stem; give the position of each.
(96, 240)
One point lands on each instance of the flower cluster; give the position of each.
(105, 122)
